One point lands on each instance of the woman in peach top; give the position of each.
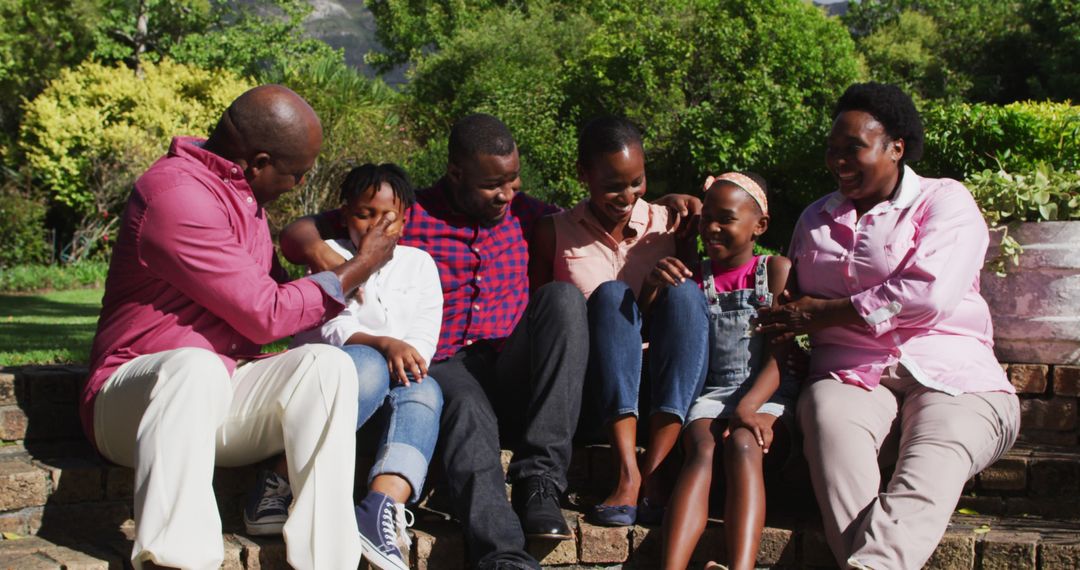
(888, 269)
(606, 245)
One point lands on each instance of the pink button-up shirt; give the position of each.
(194, 266)
(587, 256)
(911, 268)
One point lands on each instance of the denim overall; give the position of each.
(735, 353)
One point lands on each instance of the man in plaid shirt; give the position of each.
(510, 361)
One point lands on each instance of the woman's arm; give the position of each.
(947, 255)
(542, 253)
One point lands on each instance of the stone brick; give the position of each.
(21, 485)
(1047, 437)
(1008, 474)
(983, 505)
(74, 480)
(505, 457)
(1009, 550)
(233, 554)
(777, 545)
(554, 553)
(13, 423)
(1054, 477)
(1049, 507)
(1056, 413)
(54, 422)
(84, 520)
(645, 546)
(17, 522)
(1067, 380)
(74, 560)
(263, 553)
(436, 547)
(604, 545)
(31, 561)
(956, 551)
(52, 385)
(1029, 378)
(9, 391)
(1059, 555)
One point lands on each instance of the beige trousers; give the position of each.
(938, 442)
(174, 415)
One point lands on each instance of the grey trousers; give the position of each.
(939, 441)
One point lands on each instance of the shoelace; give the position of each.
(277, 502)
(394, 522)
(276, 494)
(540, 491)
(403, 519)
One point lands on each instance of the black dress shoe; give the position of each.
(536, 502)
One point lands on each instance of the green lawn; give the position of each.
(48, 328)
(56, 327)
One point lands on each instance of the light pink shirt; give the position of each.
(911, 268)
(194, 266)
(586, 255)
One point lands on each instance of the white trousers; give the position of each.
(174, 415)
(939, 442)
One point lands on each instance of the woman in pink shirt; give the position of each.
(606, 246)
(887, 286)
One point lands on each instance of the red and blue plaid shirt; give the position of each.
(484, 271)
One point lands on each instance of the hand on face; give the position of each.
(374, 220)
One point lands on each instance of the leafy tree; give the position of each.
(750, 90)
(38, 38)
(908, 52)
(1002, 51)
(96, 127)
(408, 29)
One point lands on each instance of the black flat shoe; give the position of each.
(536, 502)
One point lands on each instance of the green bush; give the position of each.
(1041, 194)
(22, 229)
(963, 139)
(36, 277)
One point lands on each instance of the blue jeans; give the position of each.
(408, 438)
(678, 349)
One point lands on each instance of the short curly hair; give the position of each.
(892, 108)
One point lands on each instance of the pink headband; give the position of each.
(746, 183)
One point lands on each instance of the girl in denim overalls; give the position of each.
(743, 393)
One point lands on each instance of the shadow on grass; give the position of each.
(40, 306)
(55, 327)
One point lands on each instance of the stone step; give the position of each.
(1031, 480)
(970, 543)
(40, 402)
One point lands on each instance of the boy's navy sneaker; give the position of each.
(382, 523)
(268, 505)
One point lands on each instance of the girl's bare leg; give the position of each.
(688, 509)
(744, 506)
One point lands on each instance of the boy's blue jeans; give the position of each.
(412, 426)
(678, 349)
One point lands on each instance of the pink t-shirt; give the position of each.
(741, 277)
(586, 255)
(910, 266)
